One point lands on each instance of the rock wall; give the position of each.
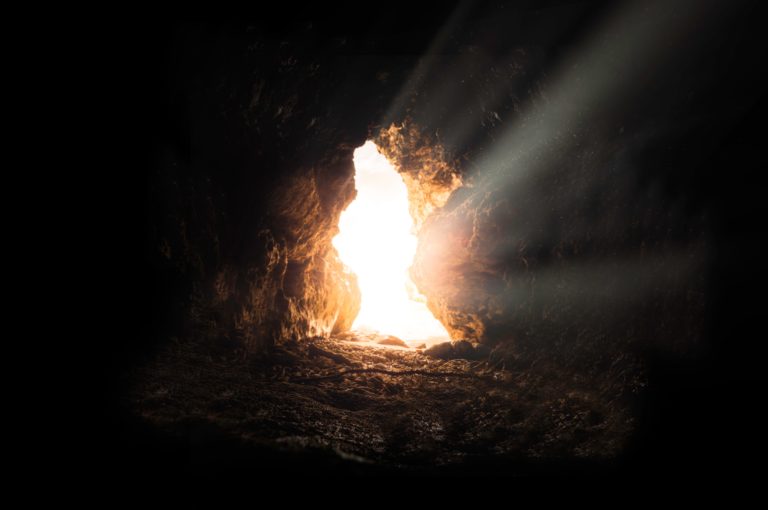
(252, 173)
(536, 264)
(554, 187)
(576, 232)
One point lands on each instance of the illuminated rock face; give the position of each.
(321, 295)
(572, 263)
(443, 268)
(252, 177)
(289, 282)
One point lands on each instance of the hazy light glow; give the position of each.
(377, 243)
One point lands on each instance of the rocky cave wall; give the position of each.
(252, 178)
(587, 247)
(563, 225)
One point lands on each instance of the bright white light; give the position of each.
(377, 243)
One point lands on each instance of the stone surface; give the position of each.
(251, 178)
(393, 340)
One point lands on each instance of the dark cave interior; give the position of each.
(579, 177)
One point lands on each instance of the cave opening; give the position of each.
(377, 241)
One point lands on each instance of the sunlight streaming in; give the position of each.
(377, 243)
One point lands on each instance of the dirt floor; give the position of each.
(383, 405)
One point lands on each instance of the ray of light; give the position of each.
(598, 83)
(425, 64)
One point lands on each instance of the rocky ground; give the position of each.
(374, 404)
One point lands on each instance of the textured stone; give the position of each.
(245, 197)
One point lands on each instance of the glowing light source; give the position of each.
(377, 243)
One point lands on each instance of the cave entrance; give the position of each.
(377, 242)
